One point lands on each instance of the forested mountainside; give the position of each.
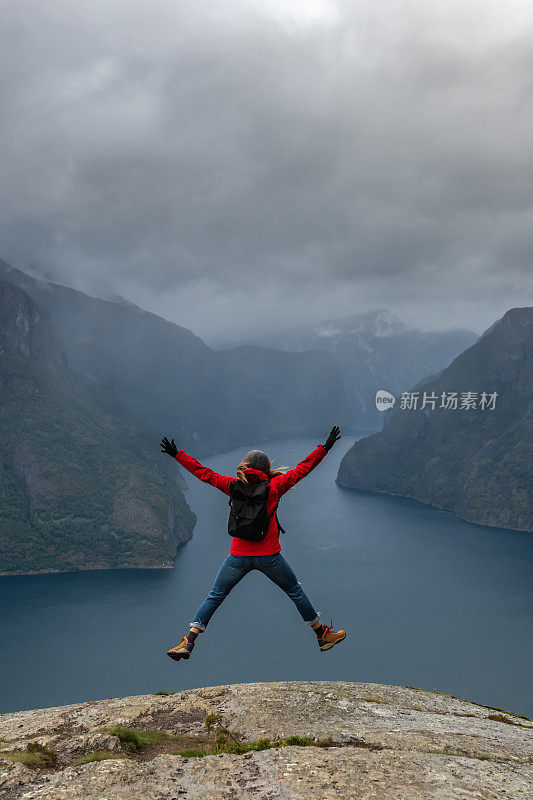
(474, 459)
(79, 488)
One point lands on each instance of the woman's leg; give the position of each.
(278, 570)
(232, 569)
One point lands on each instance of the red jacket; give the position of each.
(278, 486)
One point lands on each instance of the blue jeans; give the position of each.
(233, 568)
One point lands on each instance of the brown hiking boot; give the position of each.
(330, 637)
(181, 650)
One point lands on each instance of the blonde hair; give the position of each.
(270, 473)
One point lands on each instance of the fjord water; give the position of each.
(426, 599)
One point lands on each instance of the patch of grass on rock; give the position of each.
(135, 739)
(98, 755)
(35, 756)
(226, 742)
(502, 718)
(211, 719)
(141, 742)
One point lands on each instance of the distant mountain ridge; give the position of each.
(374, 350)
(474, 461)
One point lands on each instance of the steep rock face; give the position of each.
(476, 462)
(363, 741)
(79, 488)
(24, 333)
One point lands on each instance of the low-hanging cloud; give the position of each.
(290, 162)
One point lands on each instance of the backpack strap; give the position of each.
(230, 488)
(280, 526)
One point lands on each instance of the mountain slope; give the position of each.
(286, 394)
(472, 461)
(374, 350)
(78, 488)
(169, 378)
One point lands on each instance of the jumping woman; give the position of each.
(254, 497)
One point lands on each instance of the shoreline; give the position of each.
(387, 493)
(80, 569)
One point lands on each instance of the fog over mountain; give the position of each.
(246, 167)
(374, 350)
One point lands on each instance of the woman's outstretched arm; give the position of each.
(205, 474)
(282, 483)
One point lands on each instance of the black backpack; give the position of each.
(248, 516)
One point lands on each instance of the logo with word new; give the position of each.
(384, 400)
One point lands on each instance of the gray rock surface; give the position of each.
(383, 742)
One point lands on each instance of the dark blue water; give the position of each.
(426, 600)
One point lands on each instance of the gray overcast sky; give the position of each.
(244, 165)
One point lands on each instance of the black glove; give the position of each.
(169, 447)
(332, 438)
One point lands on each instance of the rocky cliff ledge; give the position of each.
(295, 739)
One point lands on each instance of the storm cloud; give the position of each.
(237, 165)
